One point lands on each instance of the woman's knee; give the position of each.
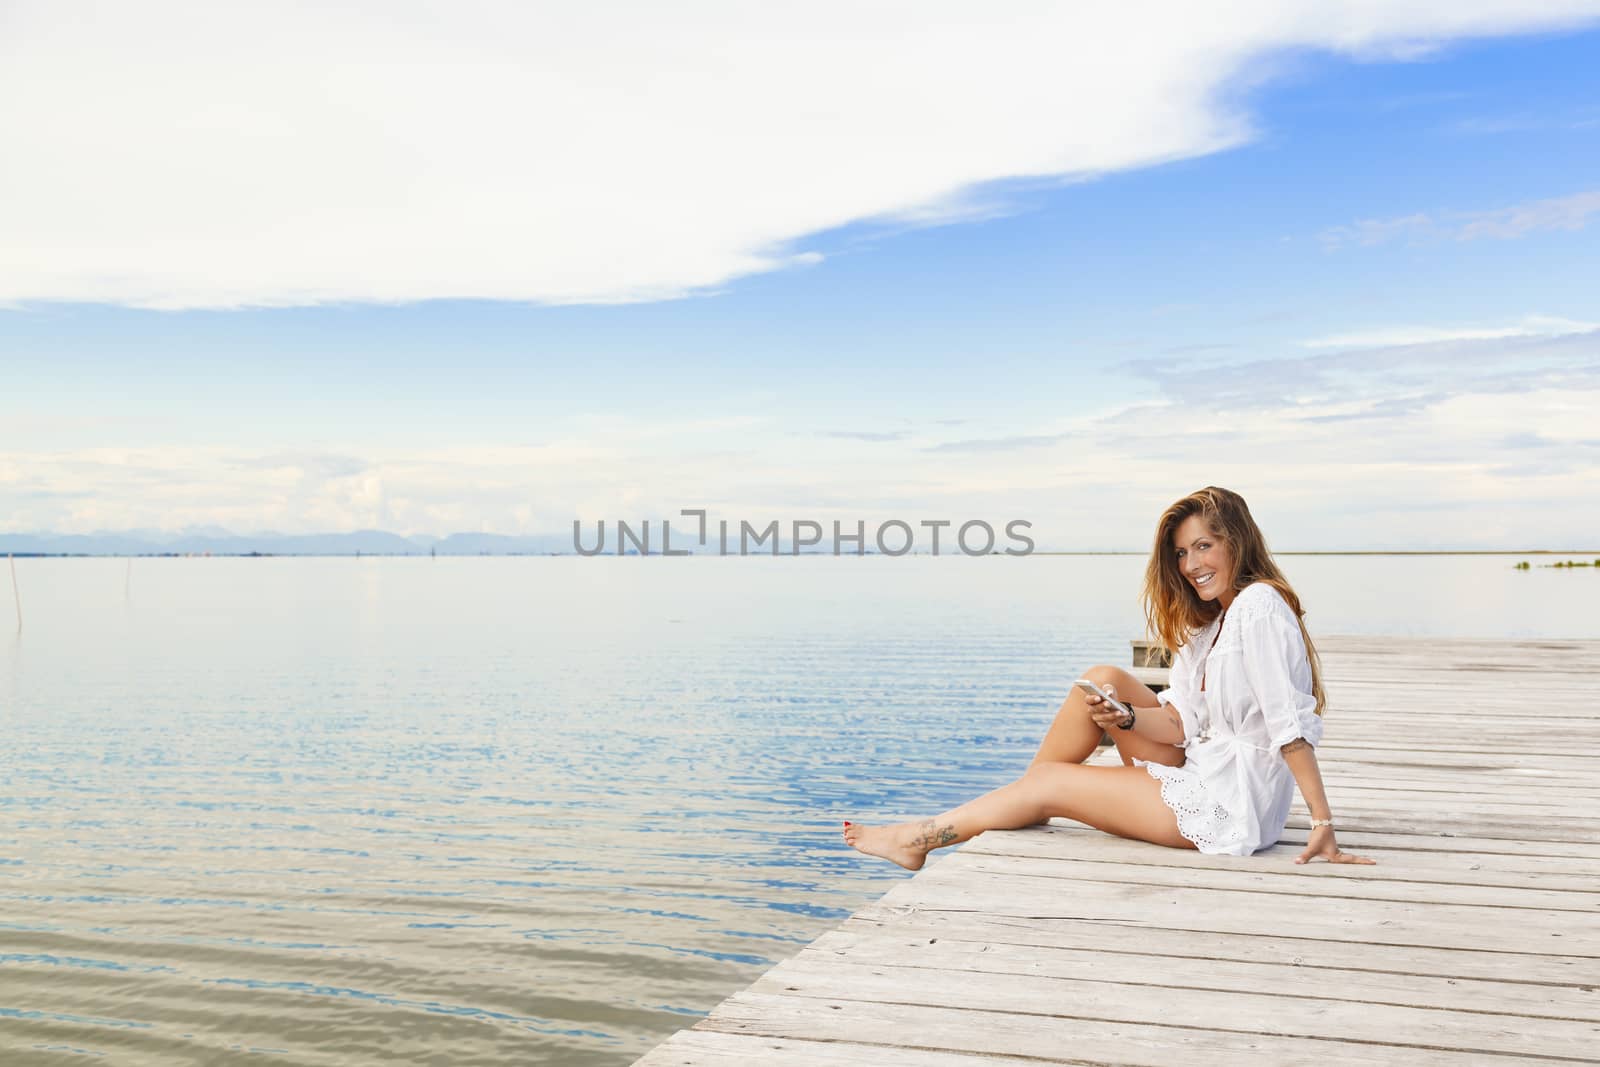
(1102, 673)
(1123, 682)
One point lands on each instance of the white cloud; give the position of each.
(1369, 232)
(197, 154)
(1393, 336)
(1397, 436)
(1553, 213)
(1557, 213)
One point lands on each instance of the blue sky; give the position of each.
(1372, 310)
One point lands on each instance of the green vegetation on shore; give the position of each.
(1525, 565)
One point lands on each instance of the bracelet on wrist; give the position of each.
(1132, 718)
(1321, 822)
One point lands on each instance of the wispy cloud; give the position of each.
(1386, 380)
(312, 464)
(1481, 125)
(1386, 408)
(1560, 213)
(867, 435)
(1409, 101)
(592, 153)
(1214, 346)
(999, 444)
(1396, 336)
(1380, 231)
(1525, 122)
(1572, 212)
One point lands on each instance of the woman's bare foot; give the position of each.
(905, 843)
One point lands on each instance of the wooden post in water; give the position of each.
(1147, 653)
(1151, 665)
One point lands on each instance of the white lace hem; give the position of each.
(1200, 818)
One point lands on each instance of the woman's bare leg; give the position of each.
(1125, 801)
(1073, 736)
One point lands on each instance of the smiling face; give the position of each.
(1204, 560)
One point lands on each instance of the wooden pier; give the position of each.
(1469, 769)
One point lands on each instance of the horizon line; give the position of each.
(359, 554)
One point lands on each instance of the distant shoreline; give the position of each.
(1388, 552)
(756, 555)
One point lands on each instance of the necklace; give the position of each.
(1209, 647)
(1205, 707)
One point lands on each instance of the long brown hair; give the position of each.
(1174, 611)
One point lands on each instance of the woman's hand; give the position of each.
(1321, 843)
(1103, 714)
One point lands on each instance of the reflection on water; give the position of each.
(520, 810)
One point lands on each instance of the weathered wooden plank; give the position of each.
(715, 1048)
(1201, 1008)
(1039, 1039)
(1371, 778)
(1428, 757)
(1322, 882)
(1126, 963)
(1510, 854)
(1510, 792)
(1067, 1038)
(1229, 911)
(1558, 830)
(1407, 838)
(1281, 946)
(1480, 744)
(1535, 872)
(1380, 673)
(1142, 861)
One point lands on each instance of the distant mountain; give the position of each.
(219, 542)
(484, 544)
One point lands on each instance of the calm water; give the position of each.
(542, 810)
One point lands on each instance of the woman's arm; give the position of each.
(1162, 723)
(1302, 761)
(1278, 670)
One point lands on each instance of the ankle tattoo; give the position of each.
(933, 836)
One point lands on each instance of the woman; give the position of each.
(1209, 764)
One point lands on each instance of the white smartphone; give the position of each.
(1112, 702)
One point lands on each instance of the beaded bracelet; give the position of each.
(1321, 822)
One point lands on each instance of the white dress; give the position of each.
(1233, 792)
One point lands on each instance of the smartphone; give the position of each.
(1112, 702)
